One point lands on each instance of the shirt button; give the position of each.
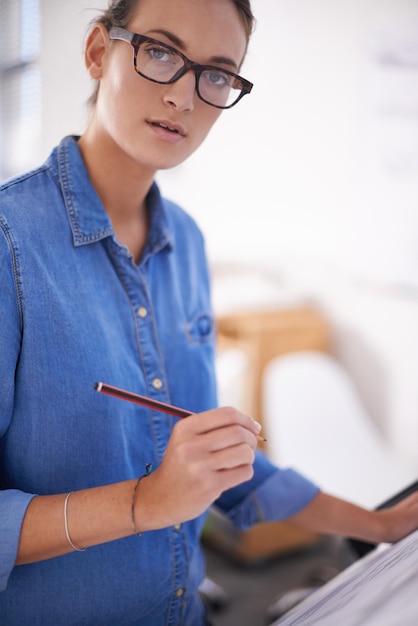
(157, 383)
(142, 312)
(179, 592)
(177, 527)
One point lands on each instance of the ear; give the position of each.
(95, 51)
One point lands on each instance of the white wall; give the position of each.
(296, 179)
(66, 85)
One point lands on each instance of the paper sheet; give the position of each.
(380, 589)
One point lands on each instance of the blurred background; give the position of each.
(307, 194)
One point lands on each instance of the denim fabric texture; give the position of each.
(76, 309)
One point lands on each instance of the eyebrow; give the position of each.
(179, 43)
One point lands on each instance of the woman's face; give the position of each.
(136, 114)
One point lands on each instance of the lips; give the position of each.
(173, 130)
(168, 126)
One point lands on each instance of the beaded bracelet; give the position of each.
(67, 534)
(148, 470)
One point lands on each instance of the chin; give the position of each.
(167, 162)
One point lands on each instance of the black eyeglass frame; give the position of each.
(116, 32)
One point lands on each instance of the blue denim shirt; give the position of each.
(75, 309)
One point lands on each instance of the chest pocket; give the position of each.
(201, 328)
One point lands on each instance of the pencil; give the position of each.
(136, 398)
(116, 392)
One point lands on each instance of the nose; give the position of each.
(181, 94)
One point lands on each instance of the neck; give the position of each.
(122, 187)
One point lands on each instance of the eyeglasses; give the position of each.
(160, 63)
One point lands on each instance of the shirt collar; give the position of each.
(88, 219)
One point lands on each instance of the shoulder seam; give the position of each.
(18, 179)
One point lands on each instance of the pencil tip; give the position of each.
(98, 386)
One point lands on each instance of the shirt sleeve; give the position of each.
(13, 503)
(272, 494)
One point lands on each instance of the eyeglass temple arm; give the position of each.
(120, 33)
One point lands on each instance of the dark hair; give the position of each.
(119, 13)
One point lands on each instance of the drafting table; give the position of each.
(379, 589)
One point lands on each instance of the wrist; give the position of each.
(148, 469)
(380, 527)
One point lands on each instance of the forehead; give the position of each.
(206, 28)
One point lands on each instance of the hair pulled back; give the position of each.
(119, 12)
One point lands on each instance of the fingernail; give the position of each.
(257, 426)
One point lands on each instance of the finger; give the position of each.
(233, 477)
(228, 436)
(225, 416)
(232, 457)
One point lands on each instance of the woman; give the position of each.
(102, 279)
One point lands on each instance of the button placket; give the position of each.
(149, 352)
(142, 312)
(181, 565)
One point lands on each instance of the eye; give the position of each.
(160, 54)
(217, 78)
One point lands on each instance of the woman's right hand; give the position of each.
(207, 454)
